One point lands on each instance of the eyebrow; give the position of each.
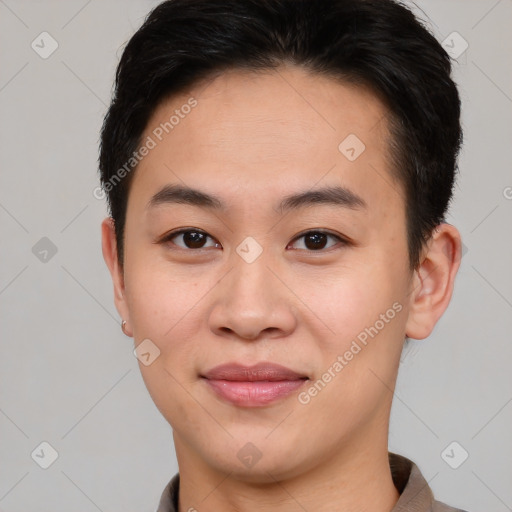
(329, 195)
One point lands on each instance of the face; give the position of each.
(318, 284)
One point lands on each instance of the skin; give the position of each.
(252, 139)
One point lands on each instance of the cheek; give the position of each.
(160, 300)
(362, 315)
(344, 302)
(169, 307)
(164, 309)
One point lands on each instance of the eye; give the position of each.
(317, 240)
(190, 239)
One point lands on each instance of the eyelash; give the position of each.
(344, 242)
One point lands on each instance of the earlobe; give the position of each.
(432, 287)
(109, 249)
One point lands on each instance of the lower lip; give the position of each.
(254, 394)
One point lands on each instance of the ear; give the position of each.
(432, 285)
(109, 248)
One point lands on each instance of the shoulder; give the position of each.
(169, 497)
(415, 493)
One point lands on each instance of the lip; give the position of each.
(257, 372)
(253, 386)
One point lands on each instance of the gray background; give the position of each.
(68, 375)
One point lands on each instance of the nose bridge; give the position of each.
(250, 279)
(250, 299)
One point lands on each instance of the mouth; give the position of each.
(253, 386)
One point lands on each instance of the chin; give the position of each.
(259, 463)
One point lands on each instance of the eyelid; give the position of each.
(171, 234)
(341, 239)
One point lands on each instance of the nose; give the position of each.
(250, 302)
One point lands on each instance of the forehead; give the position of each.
(254, 137)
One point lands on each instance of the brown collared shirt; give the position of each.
(415, 493)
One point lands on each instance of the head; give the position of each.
(308, 150)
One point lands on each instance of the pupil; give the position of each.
(318, 240)
(193, 238)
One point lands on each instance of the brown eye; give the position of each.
(190, 239)
(318, 240)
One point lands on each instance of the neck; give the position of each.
(356, 478)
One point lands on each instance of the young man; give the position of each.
(278, 173)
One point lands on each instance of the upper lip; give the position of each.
(258, 372)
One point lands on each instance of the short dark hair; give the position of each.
(378, 44)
